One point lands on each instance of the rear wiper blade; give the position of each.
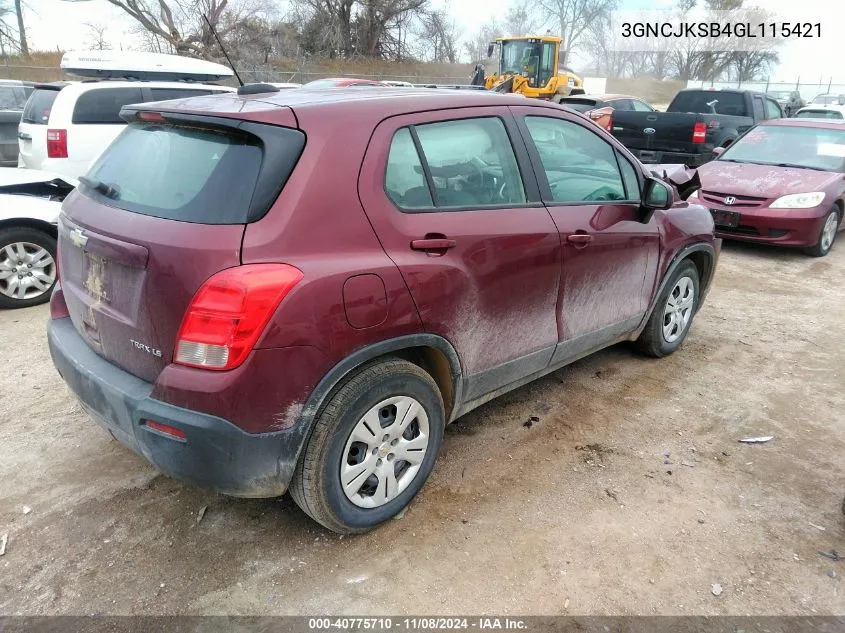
(109, 191)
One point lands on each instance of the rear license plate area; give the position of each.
(728, 219)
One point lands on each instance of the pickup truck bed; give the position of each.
(694, 123)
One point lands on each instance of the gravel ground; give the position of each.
(630, 495)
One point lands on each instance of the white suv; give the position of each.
(66, 125)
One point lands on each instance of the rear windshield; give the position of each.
(179, 173)
(13, 97)
(581, 105)
(37, 109)
(818, 114)
(726, 103)
(829, 100)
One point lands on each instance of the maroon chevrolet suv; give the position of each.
(299, 290)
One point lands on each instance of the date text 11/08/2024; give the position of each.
(419, 624)
(739, 30)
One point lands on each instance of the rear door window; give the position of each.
(191, 174)
(102, 105)
(38, 106)
(471, 163)
(405, 179)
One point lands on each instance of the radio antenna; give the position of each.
(222, 48)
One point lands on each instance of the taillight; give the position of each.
(610, 123)
(229, 312)
(699, 132)
(56, 143)
(58, 305)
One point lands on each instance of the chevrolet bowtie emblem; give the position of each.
(78, 238)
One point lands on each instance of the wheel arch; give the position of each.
(704, 258)
(432, 353)
(31, 223)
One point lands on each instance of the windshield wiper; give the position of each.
(799, 166)
(109, 191)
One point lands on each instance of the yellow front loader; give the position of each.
(531, 66)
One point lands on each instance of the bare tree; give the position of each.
(522, 18)
(438, 37)
(97, 41)
(476, 46)
(572, 18)
(21, 29)
(178, 26)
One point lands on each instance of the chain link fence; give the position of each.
(808, 90)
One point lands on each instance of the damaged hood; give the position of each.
(762, 181)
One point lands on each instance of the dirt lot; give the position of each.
(581, 513)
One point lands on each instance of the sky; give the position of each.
(60, 24)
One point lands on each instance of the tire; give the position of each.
(660, 338)
(343, 439)
(26, 255)
(827, 235)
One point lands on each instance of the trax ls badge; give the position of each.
(146, 348)
(729, 200)
(78, 238)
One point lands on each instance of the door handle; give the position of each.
(430, 244)
(579, 239)
(24, 136)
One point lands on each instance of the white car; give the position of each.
(66, 125)
(30, 202)
(832, 111)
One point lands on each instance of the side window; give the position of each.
(641, 106)
(471, 162)
(103, 105)
(629, 177)
(405, 179)
(580, 166)
(772, 110)
(758, 108)
(165, 94)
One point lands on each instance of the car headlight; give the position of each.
(799, 201)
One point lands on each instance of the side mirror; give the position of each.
(717, 151)
(490, 48)
(656, 195)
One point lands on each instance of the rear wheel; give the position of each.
(827, 235)
(372, 448)
(27, 267)
(673, 313)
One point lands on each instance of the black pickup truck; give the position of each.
(694, 123)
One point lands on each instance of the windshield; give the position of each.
(519, 56)
(13, 97)
(811, 147)
(779, 94)
(829, 99)
(819, 114)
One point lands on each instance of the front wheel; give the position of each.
(372, 447)
(827, 235)
(673, 313)
(27, 267)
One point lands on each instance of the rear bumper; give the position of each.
(215, 453)
(651, 157)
